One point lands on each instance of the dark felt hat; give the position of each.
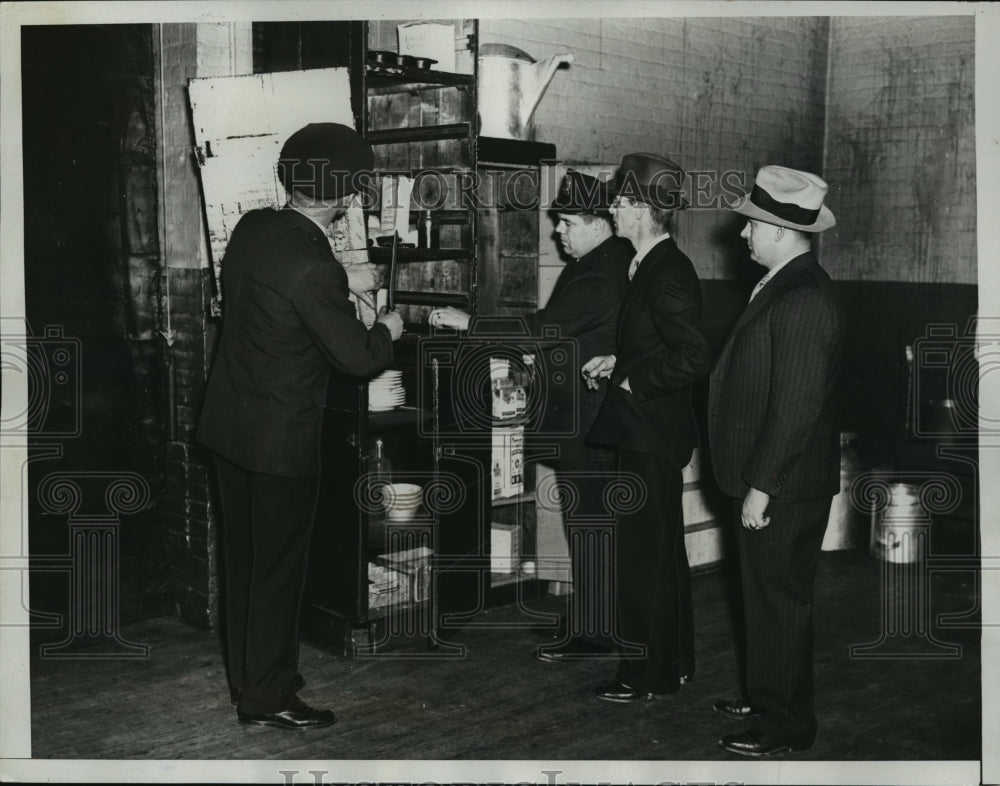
(653, 179)
(321, 160)
(580, 194)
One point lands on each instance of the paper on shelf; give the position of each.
(428, 39)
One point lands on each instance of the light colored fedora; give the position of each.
(788, 198)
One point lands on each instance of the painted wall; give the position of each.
(716, 95)
(901, 150)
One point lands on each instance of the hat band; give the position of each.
(788, 211)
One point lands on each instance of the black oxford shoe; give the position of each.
(735, 709)
(299, 716)
(755, 743)
(574, 649)
(623, 694)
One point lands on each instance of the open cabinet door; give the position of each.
(240, 124)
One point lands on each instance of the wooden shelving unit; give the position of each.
(424, 122)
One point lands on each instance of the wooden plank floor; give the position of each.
(499, 702)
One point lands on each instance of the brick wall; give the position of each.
(901, 150)
(188, 509)
(717, 94)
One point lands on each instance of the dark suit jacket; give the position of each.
(661, 350)
(583, 307)
(287, 321)
(770, 413)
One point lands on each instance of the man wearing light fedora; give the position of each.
(775, 452)
(647, 418)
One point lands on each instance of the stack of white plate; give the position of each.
(402, 500)
(386, 391)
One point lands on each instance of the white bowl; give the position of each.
(401, 496)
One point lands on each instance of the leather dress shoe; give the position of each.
(298, 716)
(623, 694)
(735, 709)
(574, 649)
(753, 742)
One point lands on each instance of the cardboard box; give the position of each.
(386, 587)
(507, 462)
(413, 566)
(505, 548)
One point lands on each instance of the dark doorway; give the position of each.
(92, 267)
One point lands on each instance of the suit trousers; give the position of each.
(778, 574)
(589, 529)
(653, 579)
(267, 523)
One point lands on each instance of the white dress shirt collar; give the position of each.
(643, 250)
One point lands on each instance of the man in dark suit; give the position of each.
(287, 321)
(583, 307)
(647, 418)
(775, 452)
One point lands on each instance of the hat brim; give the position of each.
(664, 200)
(824, 220)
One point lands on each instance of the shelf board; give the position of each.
(528, 496)
(441, 216)
(439, 299)
(395, 78)
(390, 136)
(384, 254)
(514, 151)
(401, 416)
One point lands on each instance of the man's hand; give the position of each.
(596, 368)
(362, 279)
(392, 320)
(449, 317)
(753, 510)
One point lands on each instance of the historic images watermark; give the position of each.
(546, 778)
(451, 188)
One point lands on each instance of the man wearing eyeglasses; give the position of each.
(647, 418)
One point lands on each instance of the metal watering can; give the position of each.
(511, 83)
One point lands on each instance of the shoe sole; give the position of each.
(764, 755)
(636, 700)
(285, 727)
(546, 658)
(734, 716)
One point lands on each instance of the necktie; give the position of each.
(633, 267)
(759, 287)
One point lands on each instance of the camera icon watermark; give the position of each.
(950, 369)
(51, 365)
(500, 374)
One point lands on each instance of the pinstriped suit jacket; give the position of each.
(771, 416)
